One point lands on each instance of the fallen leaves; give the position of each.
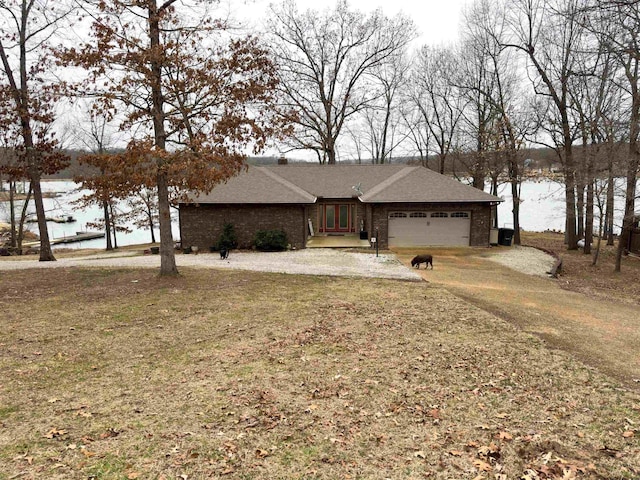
(482, 465)
(55, 433)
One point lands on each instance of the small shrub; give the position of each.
(270, 240)
(228, 238)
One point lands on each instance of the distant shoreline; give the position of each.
(4, 196)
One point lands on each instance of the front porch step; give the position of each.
(337, 241)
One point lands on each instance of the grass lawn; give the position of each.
(119, 374)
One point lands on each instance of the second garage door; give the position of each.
(415, 229)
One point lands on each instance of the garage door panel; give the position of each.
(407, 231)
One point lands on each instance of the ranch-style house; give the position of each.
(399, 205)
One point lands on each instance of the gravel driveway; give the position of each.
(527, 260)
(311, 261)
(316, 261)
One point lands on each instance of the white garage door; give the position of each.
(415, 229)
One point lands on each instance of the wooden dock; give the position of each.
(78, 237)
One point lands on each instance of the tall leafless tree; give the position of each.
(497, 92)
(382, 120)
(324, 58)
(618, 25)
(548, 33)
(437, 98)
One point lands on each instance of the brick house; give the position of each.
(406, 205)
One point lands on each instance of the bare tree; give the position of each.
(618, 25)
(548, 33)
(324, 60)
(437, 98)
(383, 119)
(596, 99)
(495, 97)
(28, 29)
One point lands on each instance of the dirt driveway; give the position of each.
(602, 333)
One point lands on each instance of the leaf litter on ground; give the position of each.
(278, 376)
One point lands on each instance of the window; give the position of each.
(397, 215)
(418, 215)
(439, 215)
(460, 215)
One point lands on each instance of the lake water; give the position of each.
(541, 208)
(62, 205)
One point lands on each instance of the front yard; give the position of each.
(118, 374)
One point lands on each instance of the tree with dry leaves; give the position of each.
(28, 86)
(94, 133)
(194, 99)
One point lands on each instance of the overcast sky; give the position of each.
(437, 20)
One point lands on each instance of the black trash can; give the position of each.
(364, 235)
(505, 236)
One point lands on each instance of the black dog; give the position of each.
(224, 253)
(426, 259)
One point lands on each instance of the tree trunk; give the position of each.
(46, 254)
(516, 212)
(632, 174)
(107, 224)
(580, 208)
(597, 253)
(23, 218)
(494, 191)
(570, 205)
(12, 213)
(167, 254)
(113, 225)
(629, 203)
(151, 225)
(331, 153)
(609, 208)
(570, 184)
(588, 228)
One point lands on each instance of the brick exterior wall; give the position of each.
(202, 225)
(378, 216)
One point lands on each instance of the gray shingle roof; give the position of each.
(306, 183)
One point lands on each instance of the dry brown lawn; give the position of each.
(118, 374)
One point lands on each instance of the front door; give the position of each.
(337, 218)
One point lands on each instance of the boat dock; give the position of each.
(78, 237)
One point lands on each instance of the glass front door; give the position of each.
(337, 218)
